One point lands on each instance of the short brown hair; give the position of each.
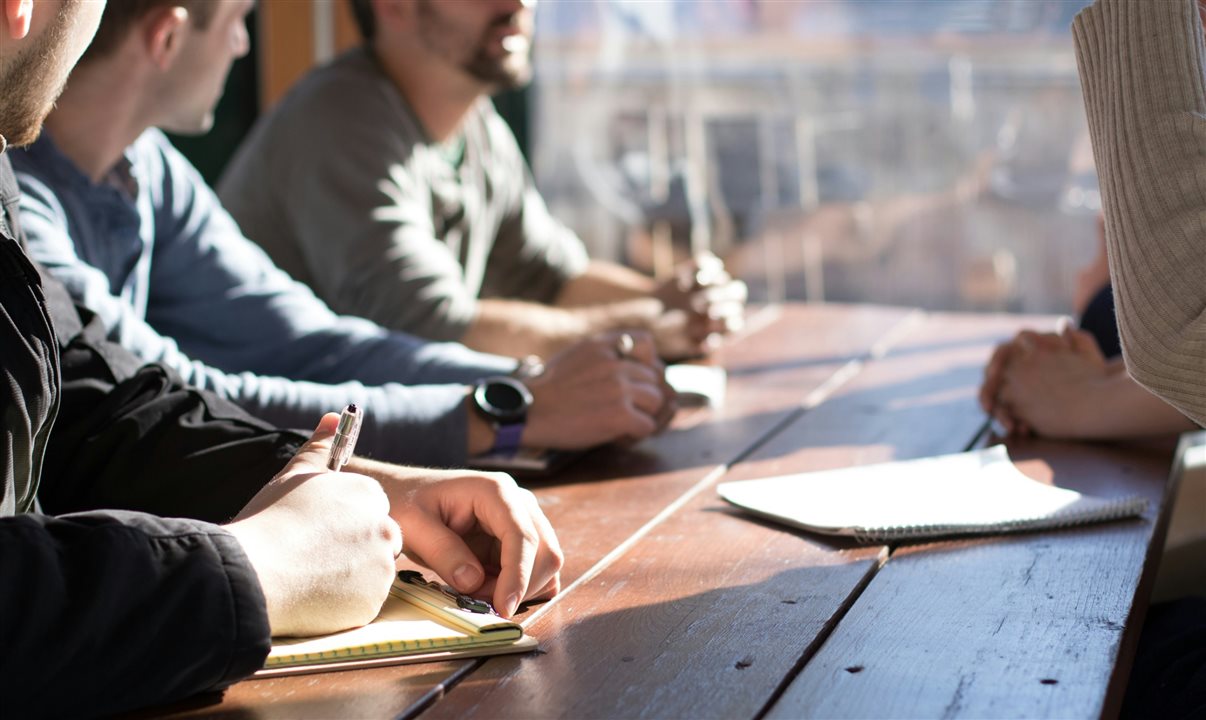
(362, 11)
(120, 16)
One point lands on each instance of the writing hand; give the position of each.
(322, 544)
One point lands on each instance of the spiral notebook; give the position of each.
(972, 493)
(420, 622)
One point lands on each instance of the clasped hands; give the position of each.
(1046, 383)
(701, 304)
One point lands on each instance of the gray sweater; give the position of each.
(1141, 66)
(342, 187)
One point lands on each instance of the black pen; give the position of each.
(344, 443)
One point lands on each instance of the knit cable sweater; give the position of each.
(1141, 68)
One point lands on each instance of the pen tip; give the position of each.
(352, 407)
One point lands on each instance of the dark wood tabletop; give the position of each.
(675, 605)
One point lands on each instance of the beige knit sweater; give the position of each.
(1141, 67)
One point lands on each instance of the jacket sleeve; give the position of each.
(1141, 68)
(133, 437)
(107, 612)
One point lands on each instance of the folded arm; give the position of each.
(1141, 67)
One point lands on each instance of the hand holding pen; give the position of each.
(310, 528)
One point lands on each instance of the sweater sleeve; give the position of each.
(1141, 67)
(414, 392)
(108, 611)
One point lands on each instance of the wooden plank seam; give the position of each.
(832, 384)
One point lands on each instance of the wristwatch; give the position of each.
(504, 402)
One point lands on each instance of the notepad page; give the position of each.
(400, 628)
(980, 491)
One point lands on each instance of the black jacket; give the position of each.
(116, 588)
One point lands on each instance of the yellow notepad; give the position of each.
(418, 623)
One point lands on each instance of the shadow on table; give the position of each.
(988, 340)
(720, 653)
(942, 402)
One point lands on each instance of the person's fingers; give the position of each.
(1005, 405)
(1007, 422)
(668, 409)
(643, 350)
(545, 580)
(1026, 343)
(1085, 344)
(517, 556)
(729, 292)
(992, 376)
(395, 536)
(431, 542)
(636, 424)
(700, 327)
(314, 451)
(327, 424)
(638, 373)
(647, 398)
(1050, 341)
(1064, 329)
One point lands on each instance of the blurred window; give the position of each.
(920, 152)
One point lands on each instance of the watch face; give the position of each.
(503, 398)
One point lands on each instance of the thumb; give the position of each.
(314, 451)
(327, 425)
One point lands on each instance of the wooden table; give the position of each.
(677, 606)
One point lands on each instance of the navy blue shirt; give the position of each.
(152, 252)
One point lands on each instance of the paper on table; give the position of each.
(698, 385)
(979, 492)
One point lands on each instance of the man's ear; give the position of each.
(18, 16)
(163, 32)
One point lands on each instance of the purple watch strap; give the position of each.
(506, 438)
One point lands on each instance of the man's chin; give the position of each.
(23, 134)
(190, 126)
(500, 77)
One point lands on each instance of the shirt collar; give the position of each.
(123, 177)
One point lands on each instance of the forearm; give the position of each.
(1122, 408)
(149, 443)
(516, 328)
(1141, 71)
(605, 282)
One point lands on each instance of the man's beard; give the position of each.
(508, 72)
(505, 73)
(30, 84)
